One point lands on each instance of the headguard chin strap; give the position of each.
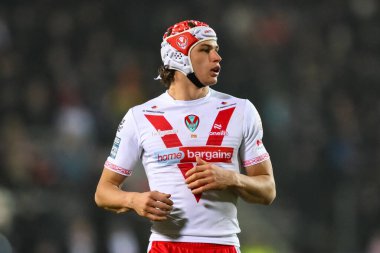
(179, 40)
(195, 80)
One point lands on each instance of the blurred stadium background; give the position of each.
(69, 70)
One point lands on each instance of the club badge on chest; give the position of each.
(192, 123)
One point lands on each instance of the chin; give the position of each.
(211, 82)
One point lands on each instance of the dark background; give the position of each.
(69, 70)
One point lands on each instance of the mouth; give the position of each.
(215, 70)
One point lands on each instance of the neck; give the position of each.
(183, 89)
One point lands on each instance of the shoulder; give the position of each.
(228, 99)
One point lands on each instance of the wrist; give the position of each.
(130, 200)
(235, 180)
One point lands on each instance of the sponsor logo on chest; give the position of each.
(188, 154)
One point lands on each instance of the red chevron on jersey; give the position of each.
(171, 140)
(184, 167)
(218, 130)
(185, 155)
(161, 124)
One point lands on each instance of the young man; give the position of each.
(192, 141)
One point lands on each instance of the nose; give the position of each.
(215, 57)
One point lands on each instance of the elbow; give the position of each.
(98, 199)
(270, 196)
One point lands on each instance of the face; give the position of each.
(206, 61)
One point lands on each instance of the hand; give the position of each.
(153, 205)
(207, 176)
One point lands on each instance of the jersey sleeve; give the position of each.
(252, 150)
(126, 150)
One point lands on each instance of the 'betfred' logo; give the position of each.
(189, 154)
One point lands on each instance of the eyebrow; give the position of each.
(216, 47)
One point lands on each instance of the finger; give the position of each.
(200, 161)
(162, 197)
(201, 174)
(160, 194)
(153, 217)
(162, 206)
(156, 211)
(196, 169)
(192, 178)
(204, 188)
(191, 171)
(198, 183)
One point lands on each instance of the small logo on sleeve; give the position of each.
(115, 147)
(192, 122)
(259, 144)
(121, 125)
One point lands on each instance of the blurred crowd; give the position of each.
(69, 71)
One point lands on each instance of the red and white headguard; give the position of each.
(179, 40)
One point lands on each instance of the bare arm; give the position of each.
(258, 186)
(153, 205)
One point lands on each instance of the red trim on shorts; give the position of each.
(190, 247)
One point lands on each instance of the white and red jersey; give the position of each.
(167, 135)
